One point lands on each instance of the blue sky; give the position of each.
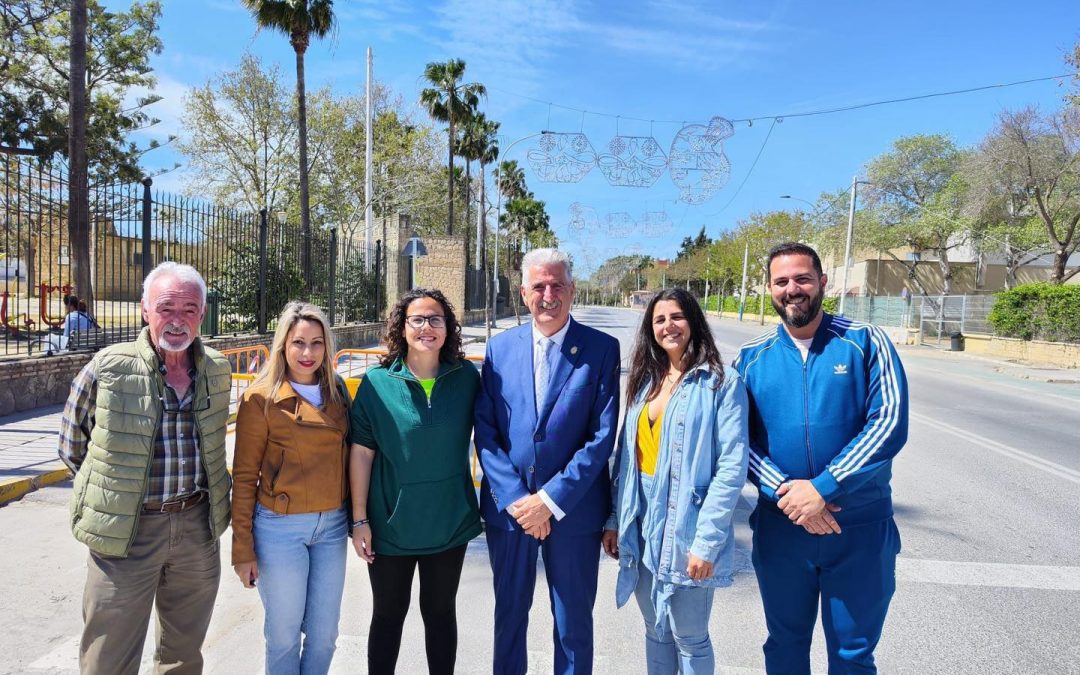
(670, 60)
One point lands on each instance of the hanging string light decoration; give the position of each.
(619, 225)
(632, 161)
(582, 218)
(698, 165)
(655, 223)
(562, 158)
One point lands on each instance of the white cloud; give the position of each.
(515, 40)
(507, 40)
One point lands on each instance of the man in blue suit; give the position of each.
(546, 418)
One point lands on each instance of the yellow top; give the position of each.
(648, 441)
(428, 383)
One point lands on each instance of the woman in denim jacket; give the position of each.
(679, 467)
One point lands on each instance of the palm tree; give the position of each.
(488, 142)
(489, 153)
(466, 146)
(450, 100)
(299, 19)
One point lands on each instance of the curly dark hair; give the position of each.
(394, 337)
(649, 362)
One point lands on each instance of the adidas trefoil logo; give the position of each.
(840, 369)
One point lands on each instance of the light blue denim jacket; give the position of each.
(700, 471)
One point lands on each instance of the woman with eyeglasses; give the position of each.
(414, 504)
(680, 465)
(289, 518)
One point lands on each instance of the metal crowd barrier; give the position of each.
(245, 363)
(351, 364)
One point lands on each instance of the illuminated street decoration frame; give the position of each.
(696, 161)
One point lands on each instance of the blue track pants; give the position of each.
(853, 574)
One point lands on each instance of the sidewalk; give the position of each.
(28, 459)
(1022, 371)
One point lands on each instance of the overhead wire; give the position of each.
(806, 113)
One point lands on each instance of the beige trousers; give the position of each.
(173, 562)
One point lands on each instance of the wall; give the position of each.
(889, 277)
(444, 267)
(1059, 354)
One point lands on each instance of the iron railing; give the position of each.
(251, 262)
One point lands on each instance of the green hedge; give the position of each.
(1038, 312)
(731, 304)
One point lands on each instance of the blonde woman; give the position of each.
(290, 524)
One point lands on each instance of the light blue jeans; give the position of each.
(682, 645)
(301, 579)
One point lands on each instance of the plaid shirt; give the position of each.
(176, 468)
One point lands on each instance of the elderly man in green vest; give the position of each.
(144, 432)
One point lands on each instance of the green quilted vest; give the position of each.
(110, 486)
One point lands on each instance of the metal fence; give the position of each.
(251, 262)
(882, 310)
(943, 315)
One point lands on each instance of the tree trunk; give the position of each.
(465, 222)
(480, 233)
(78, 193)
(305, 204)
(946, 271)
(1010, 272)
(450, 175)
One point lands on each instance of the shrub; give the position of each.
(1039, 311)
(731, 304)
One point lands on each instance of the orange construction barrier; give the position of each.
(359, 360)
(245, 363)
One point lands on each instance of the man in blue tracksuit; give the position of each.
(828, 411)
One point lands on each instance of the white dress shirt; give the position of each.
(558, 338)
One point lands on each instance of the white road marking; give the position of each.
(1000, 382)
(999, 575)
(1052, 468)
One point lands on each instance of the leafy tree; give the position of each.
(43, 42)
(452, 101)
(621, 272)
(31, 119)
(240, 138)
(240, 296)
(299, 20)
(916, 195)
(691, 244)
(1030, 164)
(35, 61)
(1004, 219)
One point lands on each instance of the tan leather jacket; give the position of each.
(291, 458)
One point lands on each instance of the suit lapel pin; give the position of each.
(573, 350)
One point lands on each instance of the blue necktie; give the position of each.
(543, 371)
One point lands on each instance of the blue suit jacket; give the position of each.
(564, 449)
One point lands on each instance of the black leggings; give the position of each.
(391, 590)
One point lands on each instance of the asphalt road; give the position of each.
(988, 580)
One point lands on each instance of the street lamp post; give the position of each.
(498, 217)
(855, 182)
(850, 231)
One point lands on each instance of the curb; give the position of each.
(15, 488)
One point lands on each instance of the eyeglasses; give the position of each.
(417, 321)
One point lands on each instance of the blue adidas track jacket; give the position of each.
(837, 419)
